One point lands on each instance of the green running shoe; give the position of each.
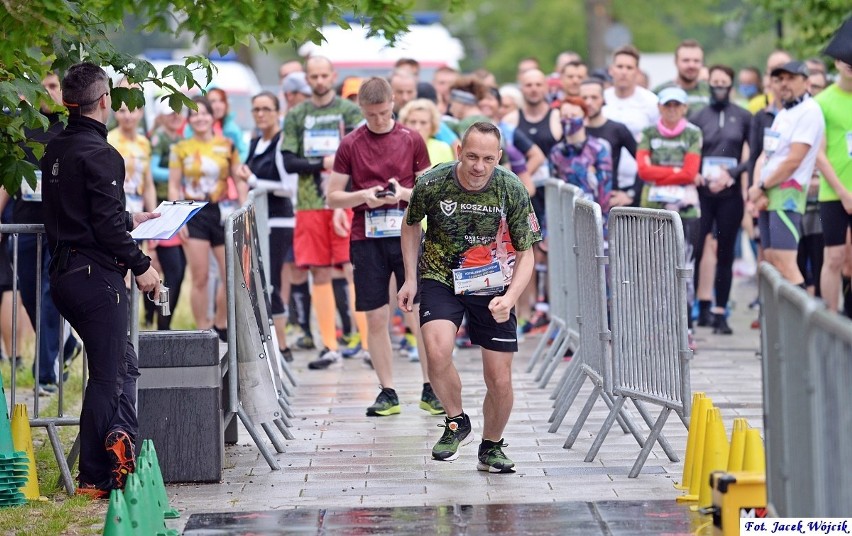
(457, 432)
(492, 459)
(429, 402)
(387, 403)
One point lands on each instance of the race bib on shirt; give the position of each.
(321, 142)
(478, 278)
(384, 223)
(771, 140)
(712, 166)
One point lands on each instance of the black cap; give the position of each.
(425, 90)
(840, 46)
(792, 67)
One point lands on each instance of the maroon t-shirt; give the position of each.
(371, 159)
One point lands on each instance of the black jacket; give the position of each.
(83, 198)
(724, 132)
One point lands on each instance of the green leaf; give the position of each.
(32, 118)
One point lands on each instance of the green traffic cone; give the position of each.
(145, 473)
(157, 481)
(6, 445)
(117, 522)
(138, 506)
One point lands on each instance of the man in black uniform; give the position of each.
(87, 230)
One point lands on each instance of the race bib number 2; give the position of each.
(470, 280)
(383, 223)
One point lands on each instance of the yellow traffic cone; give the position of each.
(704, 405)
(716, 449)
(738, 435)
(690, 443)
(755, 457)
(22, 440)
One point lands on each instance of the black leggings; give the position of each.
(173, 262)
(722, 216)
(810, 260)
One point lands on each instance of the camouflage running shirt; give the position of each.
(472, 229)
(313, 132)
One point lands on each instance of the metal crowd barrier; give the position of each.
(562, 332)
(255, 386)
(807, 370)
(49, 423)
(593, 360)
(650, 352)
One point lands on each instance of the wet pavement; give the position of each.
(345, 473)
(614, 518)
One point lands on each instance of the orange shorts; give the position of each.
(315, 243)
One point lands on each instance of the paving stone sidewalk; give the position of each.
(340, 458)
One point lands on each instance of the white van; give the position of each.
(354, 54)
(237, 79)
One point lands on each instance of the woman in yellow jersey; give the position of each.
(422, 116)
(136, 151)
(199, 170)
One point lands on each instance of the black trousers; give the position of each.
(722, 215)
(94, 301)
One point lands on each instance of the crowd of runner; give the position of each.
(752, 159)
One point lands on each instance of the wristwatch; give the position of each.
(762, 187)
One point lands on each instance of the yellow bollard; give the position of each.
(754, 459)
(22, 440)
(704, 405)
(690, 443)
(715, 457)
(738, 437)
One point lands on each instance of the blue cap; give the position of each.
(670, 94)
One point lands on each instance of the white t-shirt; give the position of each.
(637, 112)
(802, 123)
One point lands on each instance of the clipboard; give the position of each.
(173, 216)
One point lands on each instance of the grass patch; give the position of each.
(59, 513)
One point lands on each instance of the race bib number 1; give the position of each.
(383, 223)
(470, 280)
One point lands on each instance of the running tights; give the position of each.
(723, 215)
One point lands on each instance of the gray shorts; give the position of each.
(780, 229)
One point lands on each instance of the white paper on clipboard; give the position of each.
(173, 216)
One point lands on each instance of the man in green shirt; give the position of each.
(689, 60)
(477, 259)
(835, 189)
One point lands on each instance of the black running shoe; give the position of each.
(326, 359)
(457, 433)
(492, 459)
(387, 403)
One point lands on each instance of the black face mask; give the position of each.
(720, 96)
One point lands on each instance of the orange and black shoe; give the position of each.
(91, 491)
(119, 446)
